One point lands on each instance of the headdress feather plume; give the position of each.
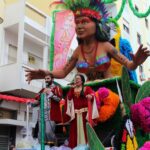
(96, 6)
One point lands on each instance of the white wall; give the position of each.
(1, 43)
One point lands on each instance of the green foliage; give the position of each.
(141, 137)
(121, 10)
(127, 96)
(143, 92)
(136, 13)
(51, 57)
(108, 1)
(114, 21)
(93, 140)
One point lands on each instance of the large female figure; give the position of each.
(78, 100)
(94, 52)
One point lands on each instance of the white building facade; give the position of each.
(24, 43)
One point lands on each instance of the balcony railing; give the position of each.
(34, 18)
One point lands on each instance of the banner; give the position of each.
(64, 33)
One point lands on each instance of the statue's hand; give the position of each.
(141, 55)
(32, 74)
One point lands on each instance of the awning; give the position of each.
(15, 99)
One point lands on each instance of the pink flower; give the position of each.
(103, 92)
(140, 114)
(135, 114)
(146, 146)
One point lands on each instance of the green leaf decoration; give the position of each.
(51, 57)
(136, 13)
(93, 140)
(108, 1)
(126, 89)
(143, 92)
(121, 10)
(114, 21)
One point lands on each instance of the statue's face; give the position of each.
(85, 27)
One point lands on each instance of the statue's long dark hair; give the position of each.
(102, 32)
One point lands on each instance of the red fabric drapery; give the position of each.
(16, 99)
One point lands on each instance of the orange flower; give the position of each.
(108, 107)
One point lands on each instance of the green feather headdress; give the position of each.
(92, 8)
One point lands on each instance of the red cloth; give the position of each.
(16, 99)
(79, 102)
(55, 111)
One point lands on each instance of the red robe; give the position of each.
(55, 111)
(79, 103)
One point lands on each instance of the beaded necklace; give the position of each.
(83, 54)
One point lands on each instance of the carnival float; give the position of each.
(123, 104)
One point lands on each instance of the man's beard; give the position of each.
(48, 84)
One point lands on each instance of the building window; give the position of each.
(126, 28)
(34, 61)
(12, 54)
(8, 114)
(146, 23)
(31, 59)
(139, 38)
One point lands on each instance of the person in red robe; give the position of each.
(79, 98)
(52, 112)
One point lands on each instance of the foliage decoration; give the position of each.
(108, 1)
(143, 92)
(51, 57)
(136, 13)
(127, 96)
(121, 10)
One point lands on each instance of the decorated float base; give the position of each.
(132, 93)
(99, 137)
